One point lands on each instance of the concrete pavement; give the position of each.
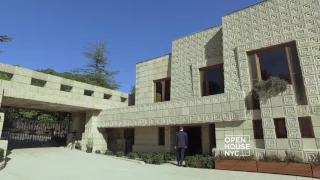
(64, 164)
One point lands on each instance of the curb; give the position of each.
(2, 165)
(125, 159)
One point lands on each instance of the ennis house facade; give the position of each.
(204, 85)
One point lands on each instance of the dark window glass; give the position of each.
(274, 63)
(298, 81)
(306, 128)
(212, 80)
(161, 136)
(257, 128)
(280, 125)
(158, 91)
(167, 90)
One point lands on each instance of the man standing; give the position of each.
(181, 145)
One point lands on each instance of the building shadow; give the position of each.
(214, 49)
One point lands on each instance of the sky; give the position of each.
(54, 33)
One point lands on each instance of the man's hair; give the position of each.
(180, 127)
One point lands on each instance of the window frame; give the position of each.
(205, 69)
(163, 81)
(285, 47)
(310, 124)
(161, 139)
(255, 134)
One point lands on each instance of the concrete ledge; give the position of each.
(2, 165)
(126, 159)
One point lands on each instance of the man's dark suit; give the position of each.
(181, 145)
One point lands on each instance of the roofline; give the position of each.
(153, 58)
(197, 32)
(263, 1)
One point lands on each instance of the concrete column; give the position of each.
(99, 136)
(1, 122)
(169, 135)
(77, 124)
(269, 132)
(21, 79)
(205, 136)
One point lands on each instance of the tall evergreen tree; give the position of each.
(5, 38)
(95, 70)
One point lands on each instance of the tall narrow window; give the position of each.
(306, 128)
(212, 80)
(162, 90)
(257, 129)
(278, 61)
(161, 136)
(280, 125)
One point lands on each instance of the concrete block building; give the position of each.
(204, 84)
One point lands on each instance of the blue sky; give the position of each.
(54, 34)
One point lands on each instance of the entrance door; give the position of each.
(194, 140)
(129, 139)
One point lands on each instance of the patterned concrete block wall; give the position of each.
(262, 25)
(188, 55)
(270, 23)
(146, 140)
(20, 87)
(146, 73)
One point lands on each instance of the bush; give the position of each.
(270, 88)
(146, 157)
(292, 157)
(120, 154)
(1, 154)
(152, 158)
(315, 159)
(199, 161)
(133, 155)
(157, 159)
(98, 152)
(270, 158)
(108, 152)
(170, 157)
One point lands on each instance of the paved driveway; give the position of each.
(64, 164)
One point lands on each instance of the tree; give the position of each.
(95, 71)
(133, 89)
(5, 38)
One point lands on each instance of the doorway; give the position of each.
(194, 140)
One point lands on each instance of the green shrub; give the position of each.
(98, 152)
(152, 158)
(292, 157)
(1, 154)
(157, 159)
(270, 158)
(315, 159)
(133, 155)
(108, 152)
(271, 87)
(199, 161)
(120, 154)
(147, 158)
(170, 157)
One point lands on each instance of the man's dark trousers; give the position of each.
(181, 145)
(180, 155)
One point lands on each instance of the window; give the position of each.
(212, 80)
(281, 130)
(257, 129)
(161, 136)
(88, 93)
(107, 96)
(162, 90)
(306, 127)
(278, 61)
